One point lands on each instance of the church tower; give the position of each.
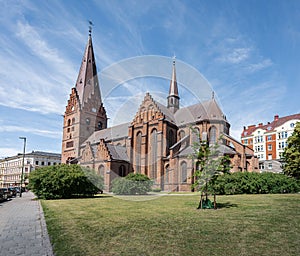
(173, 98)
(85, 112)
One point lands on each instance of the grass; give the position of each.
(171, 225)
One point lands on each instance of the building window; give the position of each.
(195, 135)
(282, 135)
(258, 139)
(101, 170)
(269, 146)
(167, 173)
(212, 135)
(69, 122)
(122, 171)
(69, 144)
(183, 168)
(246, 141)
(49, 163)
(261, 166)
(43, 163)
(171, 139)
(138, 152)
(153, 150)
(269, 137)
(292, 125)
(99, 125)
(269, 166)
(181, 134)
(36, 162)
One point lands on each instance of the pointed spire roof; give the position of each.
(173, 91)
(87, 82)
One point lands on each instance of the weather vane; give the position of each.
(90, 27)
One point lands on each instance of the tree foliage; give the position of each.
(291, 154)
(253, 183)
(64, 181)
(132, 184)
(210, 162)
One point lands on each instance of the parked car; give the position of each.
(4, 193)
(1, 195)
(13, 191)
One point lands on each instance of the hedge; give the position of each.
(132, 184)
(253, 183)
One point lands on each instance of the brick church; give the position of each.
(157, 141)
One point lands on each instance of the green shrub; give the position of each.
(132, 184)
(253, 183)
(64, 181)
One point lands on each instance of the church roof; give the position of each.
(87, 82)
(117, 152)
(207, 110)
(111, 133)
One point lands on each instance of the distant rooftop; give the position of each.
(270, 126)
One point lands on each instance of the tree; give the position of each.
(291, 154)
(210, 162)
(64, 181)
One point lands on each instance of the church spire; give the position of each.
(87, 83)
(173, 98)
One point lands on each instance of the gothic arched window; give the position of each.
(171, 138)
(195, 135)
(138, 152)
(181, 134)
(101, 170)
(183, 171)
(212, 135)
(153, 150)
(122, 171)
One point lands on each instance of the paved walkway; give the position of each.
(22, 228)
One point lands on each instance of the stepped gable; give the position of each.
(151, 110)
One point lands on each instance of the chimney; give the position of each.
(251, 126)
(244, 128)
(276, 117)
(260, 124)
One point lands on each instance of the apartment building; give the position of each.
(269, 140)
(11, 167)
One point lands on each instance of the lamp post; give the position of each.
(23, 158)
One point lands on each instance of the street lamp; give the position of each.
(24, 142)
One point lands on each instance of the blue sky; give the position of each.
(249, 52)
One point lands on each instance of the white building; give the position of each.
(268, 141)
(11, 167)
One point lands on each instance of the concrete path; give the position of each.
(23, 229)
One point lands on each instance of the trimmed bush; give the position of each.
(253, 183)
(132, 184)
(64, 181)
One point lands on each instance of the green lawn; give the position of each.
(171, 225)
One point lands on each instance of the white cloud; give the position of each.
(40, 132)
(6, 152)
(259, 66)
(235, 56)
